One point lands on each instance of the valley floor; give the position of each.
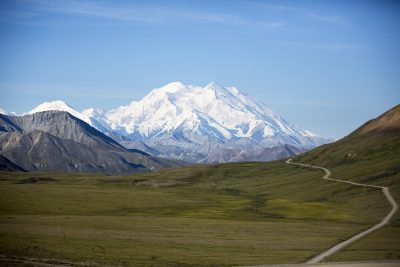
(32, 262)
(341, 264)
(204, 215)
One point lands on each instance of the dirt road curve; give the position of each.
(354, 238)
(10, 261)
(340, 264)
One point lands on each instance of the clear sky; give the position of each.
(326, 66)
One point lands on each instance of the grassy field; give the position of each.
(371, 159)
(204, 215)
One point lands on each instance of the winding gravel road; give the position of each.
(356, 237)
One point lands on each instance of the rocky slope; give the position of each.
(58, 141)
(7, 165)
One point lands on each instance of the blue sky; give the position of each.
(326, 66)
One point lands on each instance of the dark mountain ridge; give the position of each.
(7, 165)
(57, 141)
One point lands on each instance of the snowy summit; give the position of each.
(179, 119)
(60, 105)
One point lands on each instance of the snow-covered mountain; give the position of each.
(59, 105)
(191, 122)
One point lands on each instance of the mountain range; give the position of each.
(197, 124)
(60, 142)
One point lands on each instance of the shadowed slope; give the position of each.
(58, 141)
(7, 165)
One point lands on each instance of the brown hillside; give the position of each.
(385, 123)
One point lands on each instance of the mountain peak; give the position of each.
(175, 87)
(52, 105)
(175, 84)
(172, 87)
(60, 105)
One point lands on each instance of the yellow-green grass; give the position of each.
(143, 240)
(383, 244)
(370, 159)
(203, 215)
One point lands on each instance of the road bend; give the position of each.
(345, 243)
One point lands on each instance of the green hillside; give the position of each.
(207, 215)
(376, 142)
(370, 155)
